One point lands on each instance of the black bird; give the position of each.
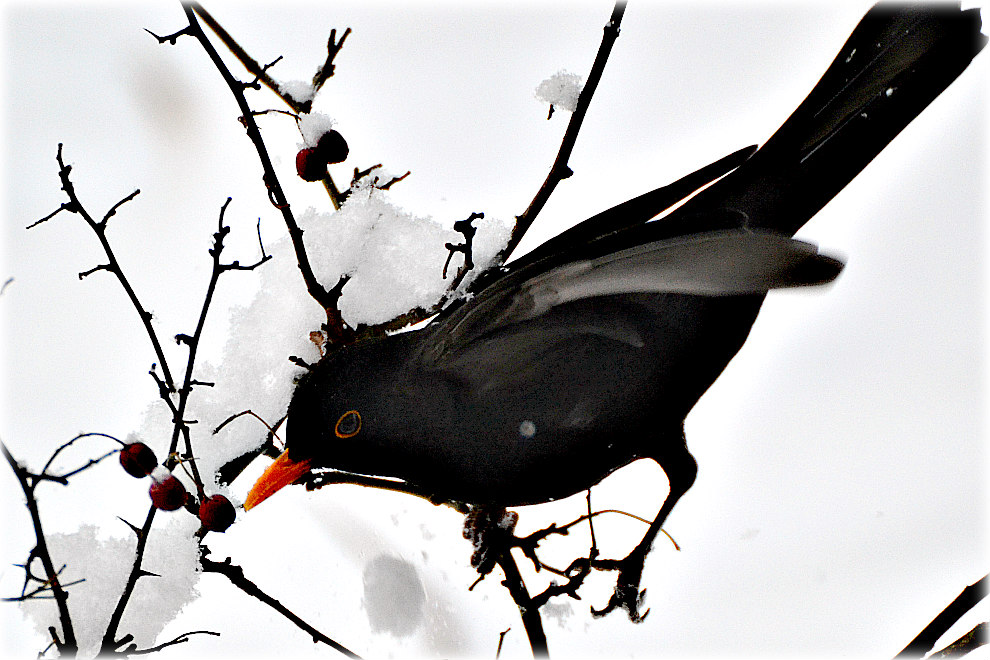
(589, 352)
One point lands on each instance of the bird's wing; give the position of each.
(635, 211)
(728, 263)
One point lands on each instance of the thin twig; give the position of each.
(44, 471)
(501, 640)
(184, 637)
(325, 71)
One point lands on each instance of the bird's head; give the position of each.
(341, 416)
(312, 436)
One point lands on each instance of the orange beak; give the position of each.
(279, 474)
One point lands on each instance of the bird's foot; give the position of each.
(627, 594)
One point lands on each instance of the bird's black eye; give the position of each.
(348, 425)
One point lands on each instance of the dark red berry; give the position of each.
(310, 166)
(332, 147)
(217, 513)
(168, 494)
(137, 459)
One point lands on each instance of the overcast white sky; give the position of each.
(841, 498)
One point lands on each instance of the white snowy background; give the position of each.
(840, 502)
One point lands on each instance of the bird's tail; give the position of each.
(896, 61)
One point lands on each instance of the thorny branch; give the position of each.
(339, 333)
(167, 387)
(67, 646)
(181, 425)
(236, 576)
(100, 229)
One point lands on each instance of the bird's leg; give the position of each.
(681, 470)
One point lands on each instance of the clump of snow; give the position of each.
(300, 90)
(160, 474)
(395, 259)
(313, 125)
(172, 553)
(560, 90)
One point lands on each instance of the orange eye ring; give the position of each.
(349, 424)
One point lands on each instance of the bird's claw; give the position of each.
(627, 594)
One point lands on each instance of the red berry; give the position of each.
(168, 494)
(310, 166)
(217, 513)
(332, 147)
(137, 459)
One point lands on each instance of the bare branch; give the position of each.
(258, 71)
(529, 613)
(110, 643)
(963, 603)
(560, 170)
(241, 414)
(99, 228)
(94, 269)
(62, 479)
(236, 576)
(184, 637)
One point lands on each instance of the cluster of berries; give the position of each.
(167, 492)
